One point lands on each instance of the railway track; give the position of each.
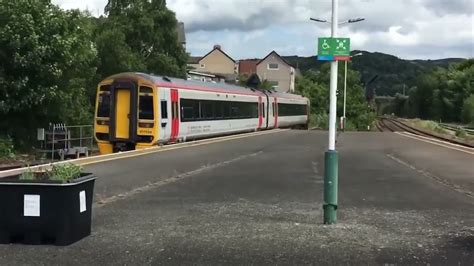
(394, 125)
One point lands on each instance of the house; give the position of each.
(216, 62)
(278, 72)
(248, 66)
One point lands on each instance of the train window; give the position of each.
(105, 88)
(187, 113)
(199, 110)
(218, 109)
(145, 107)
(207, 110)
(226, 109)
(263, 110)
(144, 89)
(234, 110)
(254, 110)
(189, 110)
(285, 109)
(164, 109)
(103, 108)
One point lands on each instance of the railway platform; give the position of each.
(257, 199)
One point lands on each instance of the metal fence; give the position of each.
(63, 141)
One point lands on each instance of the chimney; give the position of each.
(217, 46)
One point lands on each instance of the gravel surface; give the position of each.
(262, 204)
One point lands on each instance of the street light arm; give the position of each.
(352, 20)
(318, 20)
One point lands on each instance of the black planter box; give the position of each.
(33, 212)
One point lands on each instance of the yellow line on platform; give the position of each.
(135, 153)
(184, 145)
(437, 142)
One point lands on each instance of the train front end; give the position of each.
(125, 113)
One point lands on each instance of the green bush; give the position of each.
(461, 133)
(65, 172)
(6, 147)
(467, 114)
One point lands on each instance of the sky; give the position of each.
(409, 29)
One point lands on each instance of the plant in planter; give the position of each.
(52, 205)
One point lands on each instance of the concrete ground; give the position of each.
(258, 200)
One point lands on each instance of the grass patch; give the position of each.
(430, 125)
(28, 175)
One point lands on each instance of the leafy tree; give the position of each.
(441, 94)
(140, 35)
(468, 110)
(315, 86)
(46, 63)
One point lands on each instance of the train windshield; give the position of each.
(103, 108)
(145, 107)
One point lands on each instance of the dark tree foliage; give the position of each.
(140, 35)
(442, 95)
(46, 62)
(52, 59)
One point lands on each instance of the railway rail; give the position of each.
(395, 125)
(451, 127)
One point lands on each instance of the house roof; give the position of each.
(248, 66)
(275, 53)
(217, 48)
(194, 59)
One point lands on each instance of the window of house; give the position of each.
(272, 66)
(202, 65)
(274, 84)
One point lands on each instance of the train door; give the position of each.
(260, 112)
(271, 112)
(268, 111)
(165, 125)
(122, 113)
(275, 107)
(174, 115)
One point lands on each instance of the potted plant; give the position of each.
(46, 206)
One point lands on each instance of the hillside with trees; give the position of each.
(394, 74)
(444, 94)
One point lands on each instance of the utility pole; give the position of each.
(344, 108)
(345, 94)
(331, 157)
(327, 52)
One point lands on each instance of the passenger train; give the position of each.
(136, 110)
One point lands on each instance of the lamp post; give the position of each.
(343, 124)
(331, 156)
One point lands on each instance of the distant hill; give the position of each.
(393, 73)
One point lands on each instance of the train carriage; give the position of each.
(136, 110)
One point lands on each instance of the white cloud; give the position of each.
(249, 28)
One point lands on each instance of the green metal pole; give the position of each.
(330, 157)
(330, 186)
